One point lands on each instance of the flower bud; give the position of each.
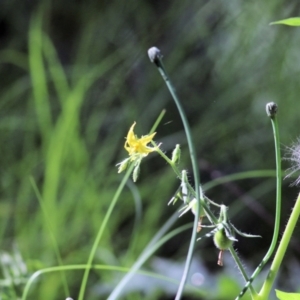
(154, 54)
(176, 154)
(271, 109)
(136, 173)
(123, 165)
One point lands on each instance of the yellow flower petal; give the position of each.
(138, 146)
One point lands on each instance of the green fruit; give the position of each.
(194, 208)
(221, 241)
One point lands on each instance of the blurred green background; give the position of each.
(75, 75)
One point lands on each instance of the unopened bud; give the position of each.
(123, 165)
(176, 154)
(136, 173)
(271, 109)
(154, 54)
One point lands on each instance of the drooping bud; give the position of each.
(123, 165)
(136, 172)
(176, 154)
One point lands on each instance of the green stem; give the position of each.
(167, 159)
(214, 220)
(266, 288)
(65, 268)
(100, 233)
(141, 260)
(242, 270)
(105, 221)
(162, 71)
(278, 202)
(158, 120)
(177, 172)
(238, 176)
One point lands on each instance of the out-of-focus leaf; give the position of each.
(290, 22)
(287, 296)
(228, 288)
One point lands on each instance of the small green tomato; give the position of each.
(221, 240)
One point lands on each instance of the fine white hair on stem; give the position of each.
(293, 155)
(242, 262)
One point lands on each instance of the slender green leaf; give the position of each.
(287, 296)
(290, 22)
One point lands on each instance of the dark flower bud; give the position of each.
(154, 54)
(271, 109)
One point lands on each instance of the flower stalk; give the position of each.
(271, 110)
(155, 56)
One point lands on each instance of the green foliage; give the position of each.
(289, 22)
(228, 288)
(287, 296)
(74, 76)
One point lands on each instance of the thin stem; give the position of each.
(238, 176)
(177, 172)
(150, 249)
(45, 271)
(266, 288)
(242, 270)
(278, 205)
(158, 120)
(162, 71)
(212, 217)
(100, 232)
(167, 159)
(237, 260)
(105, 221)
(155, 56)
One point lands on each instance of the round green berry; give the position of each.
(221, 241)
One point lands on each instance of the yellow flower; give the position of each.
(137, 147)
